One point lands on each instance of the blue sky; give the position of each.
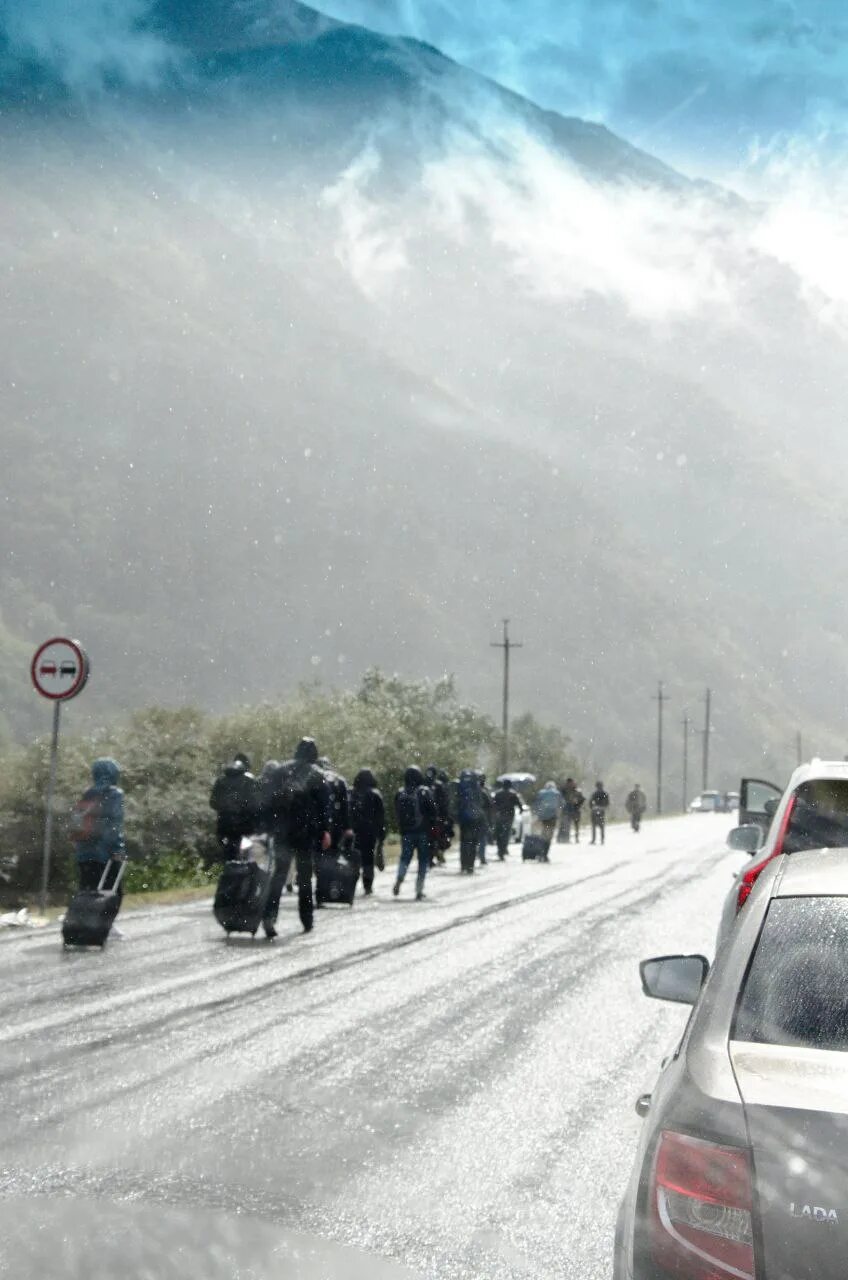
(702, 83)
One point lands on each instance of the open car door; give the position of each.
(757, 802)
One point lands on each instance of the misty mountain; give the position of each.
(320, 352)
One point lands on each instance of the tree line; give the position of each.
(169, 758)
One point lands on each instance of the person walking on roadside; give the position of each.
(573, 801)
(97, 828)
(547, 807)
(442, 831)
(469, 813)
(599, 803)
(297, 813)
(636, 804)
(368, 822)
(486, 825)
(416, 812)
(340, 803)
(506, 803)
(235, 800)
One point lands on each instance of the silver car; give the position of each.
(742, 1166)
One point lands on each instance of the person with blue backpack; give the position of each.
(97, 827)
(470, 812)
(416, 813)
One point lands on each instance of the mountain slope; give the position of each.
(328, 354)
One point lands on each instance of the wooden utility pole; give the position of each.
(686, 731)
(705, 779)
(661, 699)
(507, 645)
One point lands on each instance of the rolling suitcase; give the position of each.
(534, 849)
(241, 895)
(335, 880)
(91, 913)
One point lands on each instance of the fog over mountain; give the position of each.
(321, 351)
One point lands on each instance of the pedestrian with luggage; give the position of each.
(469, 812)
(636, 804)
(599, 803)
(506, 803)
(297, 811)
(235, 799)
(97, 832)
(547, 807)
(340, 830)
(416, 811)
(368, 821)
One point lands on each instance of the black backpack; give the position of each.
(410, 815)
(286, 799)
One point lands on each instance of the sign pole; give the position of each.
(48, 819)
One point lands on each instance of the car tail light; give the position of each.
(750, 877)
(701, 1210)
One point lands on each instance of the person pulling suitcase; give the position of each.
(97, 832)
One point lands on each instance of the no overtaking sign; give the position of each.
(59, 669)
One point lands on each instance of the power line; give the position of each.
(507, 645)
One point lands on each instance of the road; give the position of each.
(445, 1086)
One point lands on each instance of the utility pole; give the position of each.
(799, 747)
(705, 780)
(686, 731)
(661, 699)
(507, 645)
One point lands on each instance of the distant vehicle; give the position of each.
(715, 802)
(812, 813)
(740, 1170)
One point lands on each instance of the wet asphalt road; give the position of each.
(448, 1085)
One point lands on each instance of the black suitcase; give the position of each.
(534, 849)
(241, 895)
(335, 879)
(91, 913)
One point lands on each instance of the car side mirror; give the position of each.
(676, 978)
(747, 839)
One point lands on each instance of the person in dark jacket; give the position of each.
(442, 830)
(368, 822)
(340, 800)
(469, 812)
(235, 800)
(99, 826)
(599, 803)
(416, 812)
(573, 801)
(297, 813)
(486, 825)
(507, 803)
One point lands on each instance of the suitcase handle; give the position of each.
(122, 863)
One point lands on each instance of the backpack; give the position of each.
(86, 819)
(287, 792)
(409, 812)
(547, 805)
(469, 799)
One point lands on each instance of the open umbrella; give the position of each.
(518, 779)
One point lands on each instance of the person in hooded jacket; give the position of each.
(441, 833)
(100, 838)
(506, 802)
(235, 799)
(296, 810)
(486, 825)
(368, 822)
(340, 799)
(547, 807)
(416, 812)
(599, 803)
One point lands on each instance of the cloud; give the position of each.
(89, 43)
(699, 81)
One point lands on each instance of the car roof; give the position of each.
(818, 769)
(813, 873)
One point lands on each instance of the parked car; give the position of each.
(741, 1169)
(715, 802)
(811, 813)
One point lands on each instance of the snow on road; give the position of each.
(448, 1084)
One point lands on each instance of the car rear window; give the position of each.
(819, 817)
(796, 991)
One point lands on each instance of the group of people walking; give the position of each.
(306, 813)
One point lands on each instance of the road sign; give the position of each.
(59, 669)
